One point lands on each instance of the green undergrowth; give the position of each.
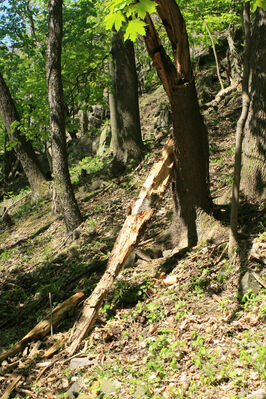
(165, 347)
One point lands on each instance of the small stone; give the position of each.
(249, 283)
(170, 280)
(140, 392)
(78, 362)
(73, 391)
(259, 394)
(65, 383)
(108, 387)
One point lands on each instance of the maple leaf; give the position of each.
(135, 28)
(143, 7)
(114, 20)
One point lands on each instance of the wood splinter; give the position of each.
(141, 212)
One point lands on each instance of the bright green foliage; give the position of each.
(23, 41)
(134, 28)
(143, 7)
(129, 15)
(115, 20)
(258, 3)
(218, 15)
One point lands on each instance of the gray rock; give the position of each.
(249, 283)
(140, 392)
(105, 139)
(109, 387)
(163, 118)
(78, 362)
(259, 394)
(96, 184)
(73, 391)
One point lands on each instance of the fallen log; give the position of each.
(220, 96)
(11, 387)
(44, 327)
(141, 212)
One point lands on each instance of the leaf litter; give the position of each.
(172, 327)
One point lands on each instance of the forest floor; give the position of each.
(176, 325)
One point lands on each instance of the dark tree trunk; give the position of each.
(23, 148)
(191, 181)
(253, 176)
(126, 139)
(70, 210)
(9, 160)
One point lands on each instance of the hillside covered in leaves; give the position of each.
(176, 325)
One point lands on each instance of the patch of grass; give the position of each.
(92, 165)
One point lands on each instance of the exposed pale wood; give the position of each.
(141, 212)
(52, 350)
(220, 96)
(11, 387)
(44, 327)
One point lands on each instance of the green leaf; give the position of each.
(109, 20)
(144, 6)
(114, 20)
(135, 28)
(119, 20)
(259, 3)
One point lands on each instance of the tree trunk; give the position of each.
(234, 59)
(9, 160)
(191, 181)
(23, 148)
(253, 176)
(126, 139)
(113, 111)
(70, 210)
(233, 240)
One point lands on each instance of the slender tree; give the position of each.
(240, 133)
(23, 148)
(70, 209)
(124, 105)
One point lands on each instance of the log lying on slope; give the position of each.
(44, 327)
(141, 212)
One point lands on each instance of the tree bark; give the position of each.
(235, 64)
(239, 134)
(113, 111)
(253, 175)
(126, 138)
(191, 175)
(23, 148)
(70, 209)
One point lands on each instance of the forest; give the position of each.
(132, 199)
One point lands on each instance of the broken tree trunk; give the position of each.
(141, 212)
(11, 387)
(44, 327)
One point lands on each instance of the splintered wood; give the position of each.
(44, 327)
(141, 212)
